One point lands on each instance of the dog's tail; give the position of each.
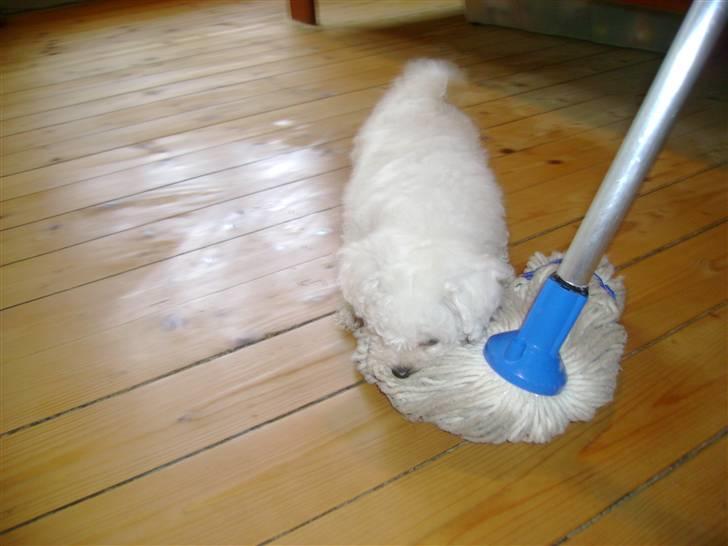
(428, 78)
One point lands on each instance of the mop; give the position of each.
(553, 348)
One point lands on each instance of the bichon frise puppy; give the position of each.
(424, 248)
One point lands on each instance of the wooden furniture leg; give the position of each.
(303, 11)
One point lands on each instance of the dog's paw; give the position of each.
(365, 370)
(347, 319)
(476, 336)
(362, 346)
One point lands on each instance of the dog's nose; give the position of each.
(401, 371)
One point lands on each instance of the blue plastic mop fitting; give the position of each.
(529, 357)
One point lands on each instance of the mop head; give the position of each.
(464, 396)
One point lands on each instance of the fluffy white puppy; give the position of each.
(424, 250)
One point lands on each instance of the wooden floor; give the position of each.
(171, 371)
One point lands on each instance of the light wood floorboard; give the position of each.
(170, 369)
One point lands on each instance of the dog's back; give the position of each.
(418, 164)
(424, 235)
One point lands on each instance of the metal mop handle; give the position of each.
(686, 57)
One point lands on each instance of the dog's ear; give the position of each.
(475, 293)
(359, 274)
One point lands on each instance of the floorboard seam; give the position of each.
(571, 80)
(644, 485)
(368, 53)
(185, 456)
(248, 343)
(331, 313)
(369, 491)
(167, 258)
(457, 446)
(196, 209)
(312, 403)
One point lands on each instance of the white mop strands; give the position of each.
(464, 396)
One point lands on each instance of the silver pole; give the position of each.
(686, 57)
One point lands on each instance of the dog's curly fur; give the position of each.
(424, 253)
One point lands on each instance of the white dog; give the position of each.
(424, 248)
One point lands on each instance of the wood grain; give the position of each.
(699, 262)
(122, 110)
(246, 33)
(153, 146)
(168, 337)
(122, 25)
(189, 113)
(149, 299)
(170, 369)
(303, 366)
(118, 101)
(358, 47)
(484, 489)
(266, 62)
(346, 429)
(164, 154)
(152, 242)
(110, 255)
(155, 25)
(195, 231)
(652, 515)
(529, 494)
